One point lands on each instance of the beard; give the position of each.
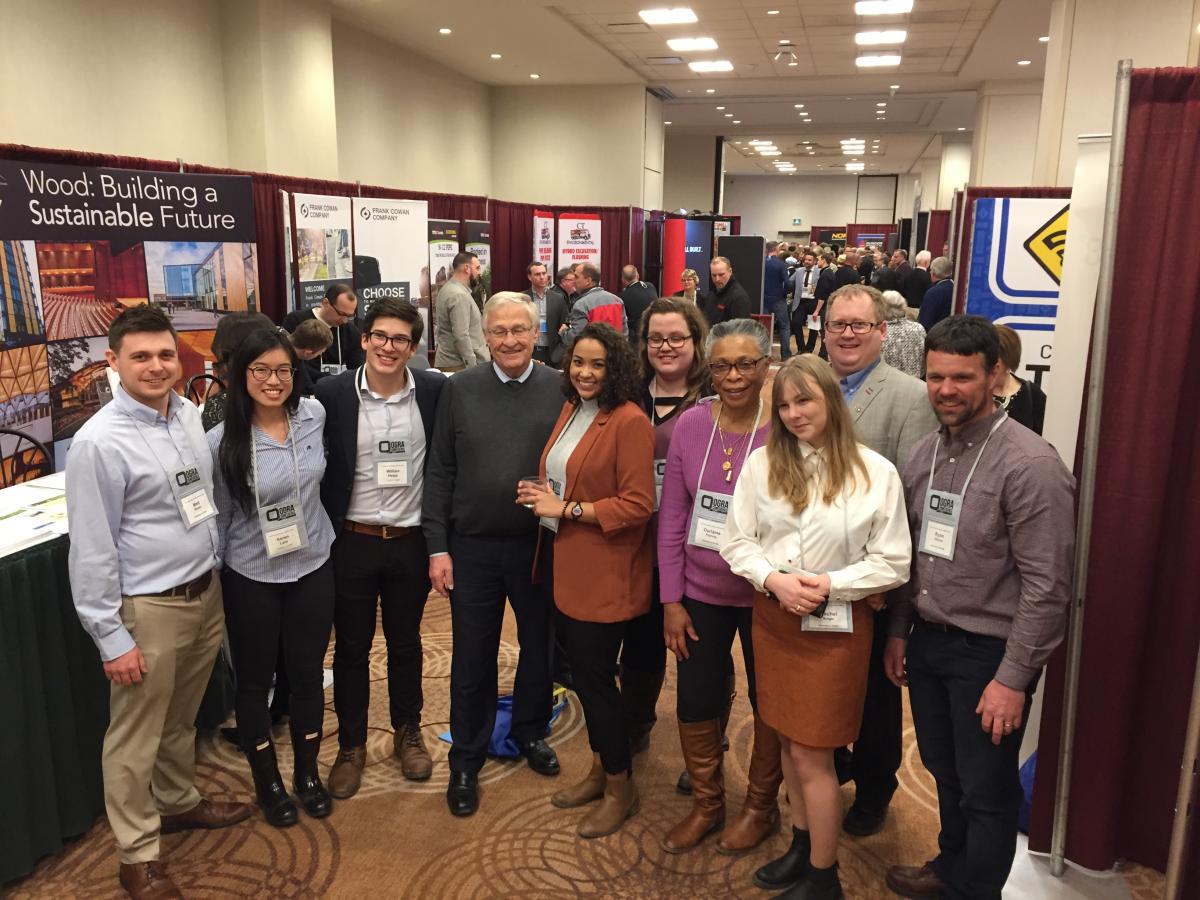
(476, 281)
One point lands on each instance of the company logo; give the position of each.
(281, 513)
(1046, 245)
(941, 504)
(304, 210)
(714, 504)
(365, 212)
(187, 476)
(581, 232)
(391, 446)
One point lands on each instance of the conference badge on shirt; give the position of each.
(391, 461)
(283, 528)
(939, 523)
(193, 496)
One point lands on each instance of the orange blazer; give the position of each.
(602, 572)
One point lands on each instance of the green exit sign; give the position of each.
(796, 221)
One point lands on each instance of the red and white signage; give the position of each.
(543, 239)
(578, 239)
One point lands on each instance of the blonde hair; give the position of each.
(788, 478)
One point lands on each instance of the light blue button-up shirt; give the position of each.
(852, 382)
(242, 547)
(127, 533)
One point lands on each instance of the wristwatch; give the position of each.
(577, 511)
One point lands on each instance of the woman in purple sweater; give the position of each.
(704, 604)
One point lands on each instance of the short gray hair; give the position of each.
(738, 328)
(895, 305)
(941, 267)
(503, 298)
(923, 258)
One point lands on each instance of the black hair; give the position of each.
(230, 330)
(234, 452)
(393, 308)
(336, 290)
(621, 383)
(138, 319)
(965, 336)
(461, 258)
(536, 262)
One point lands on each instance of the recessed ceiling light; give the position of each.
(686, 45)
(874, 151)
(737, 142)
(729, 115)
(757, 142)
(882, 7)
(737, 121)
(444, 31)
(772, 12)
(852, 141)
(711, 65)
(667, 123)
(534, 75)
(855, 166)
(874, 61)
(881, 104)
(798, 106)
(496, 56)
(708, 91)
(894, 87)
(1024, 62)
(879, 38)
(812, 152)
(1045, 39)
(720, 108)
(793, 63)
(770, 152)
(678, 16)
(962, 128)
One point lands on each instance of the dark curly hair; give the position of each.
(621, 381)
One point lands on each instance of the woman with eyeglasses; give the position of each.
(689, 283)
(277, 577)
(818, 529)
(596, 547)
(705, 605)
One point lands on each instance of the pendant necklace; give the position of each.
(727, 452)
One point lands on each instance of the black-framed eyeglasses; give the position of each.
(674, 341)
(837, 327)
(264, 373)
(517, 331)
(398, 341)
(744, 367)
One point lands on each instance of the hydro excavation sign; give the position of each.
(65, 203)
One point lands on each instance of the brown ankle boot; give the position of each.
(639, 697)
(759, 818)
(701, 743)
(148, 881)
(620, 801)
(584, 792)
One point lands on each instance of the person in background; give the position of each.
(775, 296)
(552, 315)
(310, 340)
(899, 262)
(939, 299)
(728, 299)
(1024, 401)
(904, 348)
(804, 302)
(636, 295)
(884, 277)
(689, 283)
(826, 285)
(564, 285)
(230, 330)
(866, 265)
(457, 321)
(847, 271)
(704, 604)
(277, 579)
(918, 281)
(144, 550)
(817, 526)
(338, 309)
(594, 304)
(597, 548)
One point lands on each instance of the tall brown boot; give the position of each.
(701, 743)
(583, 792)
(620, 801)
(759, 818)
(639, 697)
(684, 784)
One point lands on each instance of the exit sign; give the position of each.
(796, 221)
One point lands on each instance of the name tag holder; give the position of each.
(391, 455)
(710, 512)
(660, 471)
(282, 524)
(556, 487)
(193, 496)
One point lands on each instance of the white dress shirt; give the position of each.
(370, 503)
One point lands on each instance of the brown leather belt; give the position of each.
(189, 591)
(387, 532)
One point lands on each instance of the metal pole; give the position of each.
(1184, 820)
(1087, 475)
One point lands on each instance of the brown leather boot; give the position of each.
(346, 775)
(759, 818)
(684, 784)
(620, 801)
(148, 881)
(701, 743)
(583, 792)
(409, 745)
(639, 697)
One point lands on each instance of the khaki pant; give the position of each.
(149, 755)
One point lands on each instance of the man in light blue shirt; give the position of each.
(143, 550)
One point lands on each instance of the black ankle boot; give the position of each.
(278, 808)
(817, 884)
(789, 868)
(307, 781)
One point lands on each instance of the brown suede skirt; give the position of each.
(811, 685)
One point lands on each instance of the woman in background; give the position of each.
(1024, 400)
(904, 341)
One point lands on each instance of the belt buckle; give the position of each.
(386, 532)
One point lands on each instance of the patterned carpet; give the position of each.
(396, 839)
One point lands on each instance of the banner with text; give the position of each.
(543, 239)
(443, 247)
(578, 239)
(321, 226)
(390, 255)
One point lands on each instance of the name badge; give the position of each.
(283, 528)
(709, 513)
(557, 487)
(660, 470)
(332, 368)
(193, 496)
(391, 461)
(939, 523)
(836, 617)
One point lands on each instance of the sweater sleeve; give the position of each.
(440, 471)
(673, 514)
(633, 503)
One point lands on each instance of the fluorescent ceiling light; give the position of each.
(444, 31)
(855, 167)
(853, 141)
(711, 65)
(720, 108)
(894, 87)
(762, 147)
(668, 123)
(793, 63)
(770, 152)
(737, 121)
(757, 143)
(729, 115)
(877, 59)
(1024, 62)
(687, 45)
(710, 90)
(1045, 39)
(772, 12)
(496, 56)
(876, 38)
(678, 16)
(534, 75)
(798, 106)
(881, 104)
(962, 128)
(882, 7)
(812, 152)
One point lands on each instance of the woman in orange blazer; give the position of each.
(595, 508)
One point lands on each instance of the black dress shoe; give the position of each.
(462, 796)
(540, 756)
(864, 821)
(789, 868)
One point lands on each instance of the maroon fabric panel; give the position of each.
(937, 232)
(1142, 624)
(512, 244)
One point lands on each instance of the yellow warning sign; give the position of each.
(1046, 245)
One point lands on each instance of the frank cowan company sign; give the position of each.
(53, 202)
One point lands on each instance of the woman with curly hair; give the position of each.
(596, 546)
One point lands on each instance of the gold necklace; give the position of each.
(727, 452)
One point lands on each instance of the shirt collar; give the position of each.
(505, 379)
(854, 380)
(533, 292)
(127, 404)
(365, 392)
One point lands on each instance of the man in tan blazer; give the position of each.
(891, 412)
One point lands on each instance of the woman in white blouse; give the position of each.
(818, 526)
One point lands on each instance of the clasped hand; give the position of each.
(798, 594)
(543, 501)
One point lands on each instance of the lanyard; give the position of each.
(359, 380)
(183, 463)
(254, 462)
(713, 434)
(971, 474)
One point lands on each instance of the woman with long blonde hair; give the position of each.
(817, 525)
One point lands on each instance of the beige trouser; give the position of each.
(150, 747)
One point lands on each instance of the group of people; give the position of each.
(662, 493)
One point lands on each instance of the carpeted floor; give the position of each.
(396, 839)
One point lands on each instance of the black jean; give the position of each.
(878, 749)
(979, 790)
(486, 571)
(394, 575)
(259, 615)
(593, 648)
(644, 649)
(703, 676)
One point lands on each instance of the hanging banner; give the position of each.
(578, 239)
(391, 258)
(443, 247)
(323, 253)
(543, 239)
(698, 249)
(1014, 274)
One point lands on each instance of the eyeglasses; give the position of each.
(398, 341)
(675, 341)
(744, 367)
(837, 327)
(264, 373)
(517, 331)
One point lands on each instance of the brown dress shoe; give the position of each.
(620, 801)
(909, 881)
(409, 745)
(759, 818)
(148, 881)
(583, 792)
(207, 814)
(701, 742)
(346, 774)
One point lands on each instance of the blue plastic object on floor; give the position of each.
(501, 745)
(1026, 774)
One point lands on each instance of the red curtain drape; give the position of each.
(1142, 622)
(937, 232)
(853, 231)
